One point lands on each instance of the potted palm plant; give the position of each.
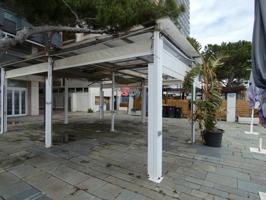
(207, 108)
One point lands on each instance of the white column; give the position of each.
(251, 132)
(252, 121)
(5, 105)
(231, 107)
(155, 112)
(66, 102)
(48, 104)
(3, 102)
(193, 109)
(112, 106)
(101, 103)
(260, 144)
(117, 100)
(143, 104)
(130, 104)
(34, 96)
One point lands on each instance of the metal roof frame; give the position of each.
(127, 54)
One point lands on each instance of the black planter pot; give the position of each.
(213, 138)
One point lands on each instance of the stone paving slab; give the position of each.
(92, 184)
(102, 165)
(215, 192)
(232, 173)
(29, 193)
(23, 170)
(108, 191)
(56, 189)
(80, 195)
(127, 195)
(8, 191)
(222, 180)
(251, 187)
(7, 179)
(69, 175)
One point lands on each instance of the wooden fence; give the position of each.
(242, 107)
(137, 103)
(183, 104)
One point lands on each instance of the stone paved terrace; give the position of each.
(97, 164)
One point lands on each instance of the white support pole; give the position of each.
(66, 102)
(117, 100)
(48, 104)
(101, 103)
(193, 108)
(130, 104)
(252, 121)
(2, 100)
(155, 112)
(112, 106)
(5, 104)
(143, 104)
(251, 132)
(260, 144)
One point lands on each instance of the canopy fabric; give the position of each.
(257, 100)
(257, 88)
(259, 45)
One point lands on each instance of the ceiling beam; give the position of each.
(125, 71)
(133, 73)
(87, 59)
(30, 78)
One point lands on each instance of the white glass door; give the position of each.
(16, 101)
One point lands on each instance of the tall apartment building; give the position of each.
(184, 18)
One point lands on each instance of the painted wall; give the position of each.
(34, 98)
(81, 102)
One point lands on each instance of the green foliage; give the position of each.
(90, 110)
(121, 14)
(133, 110)
(189, 78)
(197, 46)
(236, 64)
(207, 108)
(113, 15)
(42, 12)
(169, 8)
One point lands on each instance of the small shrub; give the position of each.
(133, 110)
(90, 110)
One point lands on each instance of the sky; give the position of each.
(216, 21)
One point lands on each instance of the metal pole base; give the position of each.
(251, 133)
(159, 180)
(113, 122)
(257, 150)
(262, 195)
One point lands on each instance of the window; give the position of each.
(16, 101)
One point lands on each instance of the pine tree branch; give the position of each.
(72, 11)
(26, 32)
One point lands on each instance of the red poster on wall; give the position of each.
(125, 92)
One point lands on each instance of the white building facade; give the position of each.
(184, 18)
